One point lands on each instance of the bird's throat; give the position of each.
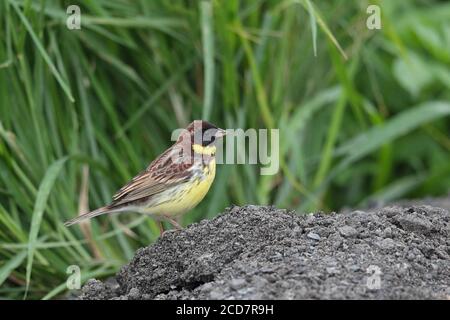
(207, 150)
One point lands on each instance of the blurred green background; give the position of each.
(363, 114)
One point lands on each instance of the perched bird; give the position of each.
(173, 183)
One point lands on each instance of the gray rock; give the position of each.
(237, 284)
(347, 231)
(332, 270)
(313, 236)
(134, 293)
(260, 253)
(387, 244)
(415, 223)
(387, 232)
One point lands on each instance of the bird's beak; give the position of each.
(220, 133)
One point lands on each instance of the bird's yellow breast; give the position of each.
(200, 187)
(188, 195)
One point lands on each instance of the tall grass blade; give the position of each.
(208, 56)
(44, 53)
(41, 202)
(12, 264)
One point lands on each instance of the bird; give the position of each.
(172, 184)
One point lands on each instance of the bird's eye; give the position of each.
(208, 136)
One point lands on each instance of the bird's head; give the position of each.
(203, 136)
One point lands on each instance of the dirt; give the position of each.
(257, 252)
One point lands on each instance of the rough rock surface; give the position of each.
(256, 252)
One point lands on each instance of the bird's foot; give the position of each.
(166, 232)
(175, 224)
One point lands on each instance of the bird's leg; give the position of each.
(161, 227)
(174, 223)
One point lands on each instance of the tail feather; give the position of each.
(88, 215)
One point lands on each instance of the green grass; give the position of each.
(363, 115)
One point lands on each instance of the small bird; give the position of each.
(173, 183)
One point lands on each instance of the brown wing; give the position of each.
(160, 175)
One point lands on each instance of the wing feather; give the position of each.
(160, 175)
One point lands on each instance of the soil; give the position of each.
(258, 252)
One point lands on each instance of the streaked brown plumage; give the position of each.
(174, 182)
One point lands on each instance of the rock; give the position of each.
(415, 223)
(347, 231)
(387, 232)
(313, 236)
(387, 244)
(332, 270)
(237, 284)
(96, 290)
(261, 252)
(134, 294)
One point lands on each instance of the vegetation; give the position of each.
(363, 114)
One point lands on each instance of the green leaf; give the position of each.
(313, 23)
(41, 202)
(312, 11)
(12, 264)
(396, 127)
(412, 73)
(208, 57)
(395, 190)
(44, 54)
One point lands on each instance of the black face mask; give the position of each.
(208, 135)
